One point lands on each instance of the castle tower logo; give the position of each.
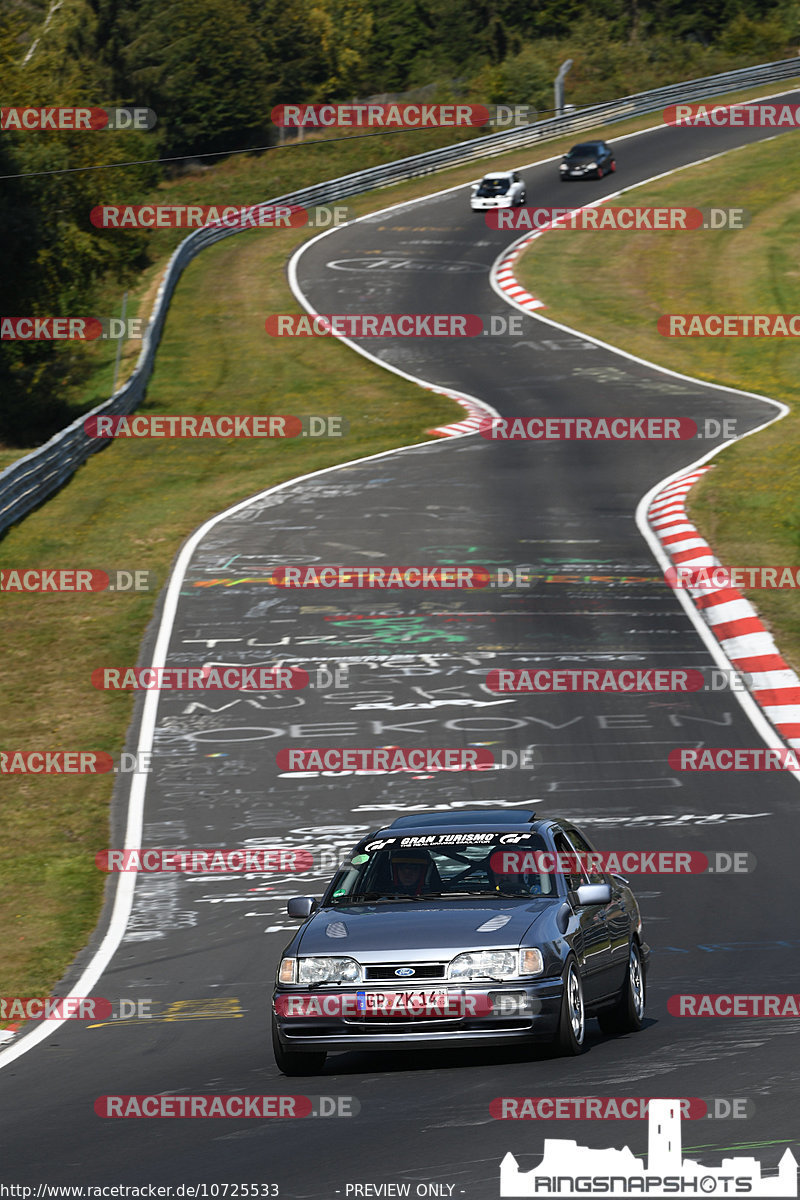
(568, 1169)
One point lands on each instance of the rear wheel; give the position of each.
(295, 1062)
(571, 1030)
(627, 1015)
(613, 164)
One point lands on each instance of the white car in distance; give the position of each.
(499, 189)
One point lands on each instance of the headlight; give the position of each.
(590, 166)
(483, 964)
(328, 970)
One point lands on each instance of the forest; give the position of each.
(213, 70)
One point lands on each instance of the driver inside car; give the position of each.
(413, 870)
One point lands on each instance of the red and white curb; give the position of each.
(470, 424)
(732, 619)
(507, 280)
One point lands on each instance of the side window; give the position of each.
(515, 177)
(574, 879)
(583, 847)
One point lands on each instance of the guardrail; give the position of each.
(30, 480)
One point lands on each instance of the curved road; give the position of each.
(203, 949)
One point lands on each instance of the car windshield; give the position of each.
(444, 864)
(493, 187)
(584, 149)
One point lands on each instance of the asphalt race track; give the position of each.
(204, 948)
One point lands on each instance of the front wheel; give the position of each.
(600, 172)
(293, 1062)
(627, 1015)
(572, 1020)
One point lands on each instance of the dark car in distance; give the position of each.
(451, 929)
(590, 160)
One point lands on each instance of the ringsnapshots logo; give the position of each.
(72, 120)
(568, 1170)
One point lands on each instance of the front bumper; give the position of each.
(499, 1013)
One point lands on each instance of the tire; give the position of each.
(627, 1015)
(293, 1062)
(613, 165)
(523, 200)
(600, 172)
(571, 1032)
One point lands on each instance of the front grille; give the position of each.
(421, 971)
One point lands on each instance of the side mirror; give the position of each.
(301, 906)
(594, 893)
(475, 186)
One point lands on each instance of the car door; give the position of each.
(592, 945)
(617, 917)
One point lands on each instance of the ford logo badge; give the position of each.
(405, 971)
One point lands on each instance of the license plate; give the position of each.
(410, 1005)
